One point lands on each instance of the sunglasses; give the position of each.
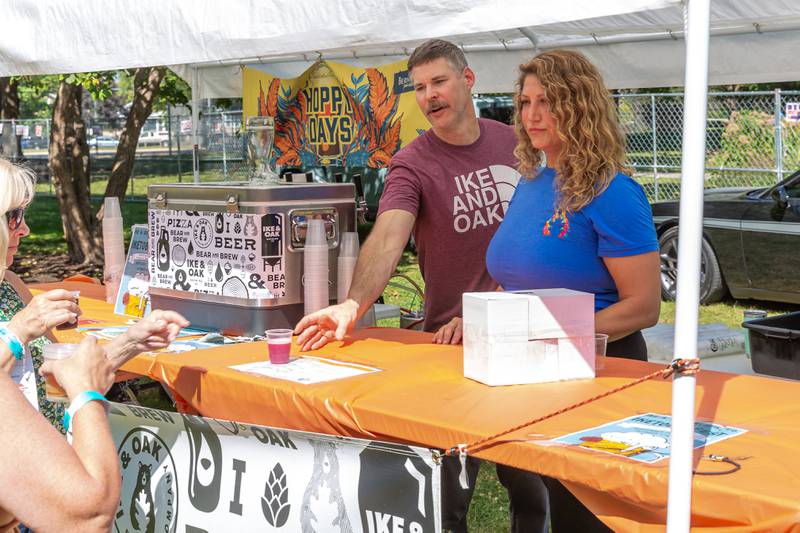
(15, 217)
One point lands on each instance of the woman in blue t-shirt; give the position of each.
(579, 222)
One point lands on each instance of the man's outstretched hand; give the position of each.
(317, 329)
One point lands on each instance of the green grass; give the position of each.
(137, 185)
(47, 235)
(728, 312)
(488, 512)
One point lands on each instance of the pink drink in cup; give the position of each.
(279, 342)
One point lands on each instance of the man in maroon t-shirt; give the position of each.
(451, 187)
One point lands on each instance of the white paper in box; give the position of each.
(497, 316)
(512, 363)
(576, 357)
(534, 361)
(535, 314)
(559, 313)
(529, 336)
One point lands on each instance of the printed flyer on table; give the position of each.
(644, 437)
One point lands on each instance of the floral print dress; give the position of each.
(10, 305)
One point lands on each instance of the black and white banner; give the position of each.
(189, 474)
(228, 254)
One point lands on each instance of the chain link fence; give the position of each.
(163, 153)
(752, 139)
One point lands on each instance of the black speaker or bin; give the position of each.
(775, 345)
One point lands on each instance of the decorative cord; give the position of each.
(680, 366)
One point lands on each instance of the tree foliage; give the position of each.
(147, 84)
(69, 153)
(748, 141)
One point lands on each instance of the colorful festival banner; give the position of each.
(188, 474)
(335, 114)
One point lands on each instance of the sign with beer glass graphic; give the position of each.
(335, 114)
(133, 297)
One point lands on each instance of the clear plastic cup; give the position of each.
(349, 244)
(279, 342)
(53, 391)
(346, 267)
(111, 207)
(315, 233)
(112, 279)
(76, 295)
(600, 345)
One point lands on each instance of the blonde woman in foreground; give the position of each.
(45, 483)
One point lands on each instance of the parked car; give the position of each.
(751, 243)
(102, 141)
(34, 142)
(154, 138)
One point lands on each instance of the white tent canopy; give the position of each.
(751, 42)
(636, 43)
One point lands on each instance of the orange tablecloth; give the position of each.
(421, 397)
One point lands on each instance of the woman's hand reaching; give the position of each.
(153, 332)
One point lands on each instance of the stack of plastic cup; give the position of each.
(315, 267)
(113, 247)
(346, 266)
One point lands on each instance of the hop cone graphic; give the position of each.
(275, 502)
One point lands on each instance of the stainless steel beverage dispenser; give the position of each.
(229, 256)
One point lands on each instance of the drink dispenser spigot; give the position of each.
(361, 201)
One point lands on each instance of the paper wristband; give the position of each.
(13, 342)
(79, 401)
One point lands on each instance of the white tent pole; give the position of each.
(195, 124)
(679, 502)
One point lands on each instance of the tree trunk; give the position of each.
(69, 170)
(147, 82)
(9, 110)
(9, 99)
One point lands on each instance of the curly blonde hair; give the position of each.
(16, 190)
(593, 148)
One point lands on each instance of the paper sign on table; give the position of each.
(307, 370)
(644, 437)
(110, 332)
(133, 297)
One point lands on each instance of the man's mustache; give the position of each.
(435, 106)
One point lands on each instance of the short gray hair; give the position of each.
(17, 186)
(433, 49)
